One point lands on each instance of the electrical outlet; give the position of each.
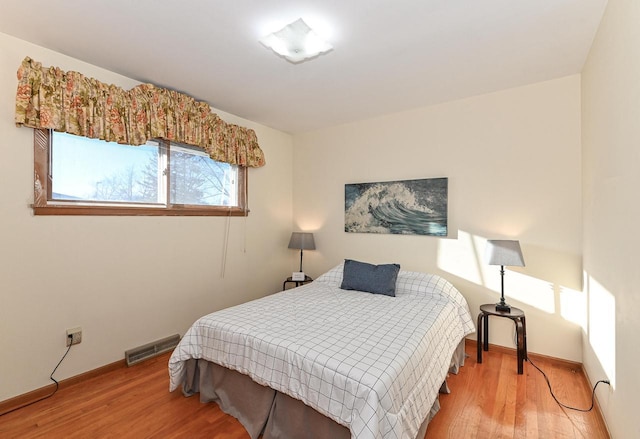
(74, 336)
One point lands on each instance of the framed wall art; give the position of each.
(405, 207)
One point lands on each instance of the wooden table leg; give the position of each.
(486, 332)
(479, 337)
(521, 346)
(524, 331)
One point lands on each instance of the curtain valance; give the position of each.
(70, 102)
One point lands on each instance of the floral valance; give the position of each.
(70, 102)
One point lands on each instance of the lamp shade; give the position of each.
(302, 241)
(504, 252)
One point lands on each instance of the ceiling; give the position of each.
(388, 56)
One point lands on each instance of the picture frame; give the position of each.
(404, 207)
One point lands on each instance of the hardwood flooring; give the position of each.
(488, 400)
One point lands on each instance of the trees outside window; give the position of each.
(92, 177)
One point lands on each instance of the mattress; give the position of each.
(372, 363)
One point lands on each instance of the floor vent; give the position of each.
(149, 350)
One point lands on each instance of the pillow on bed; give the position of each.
(332, 277)
(411, 283)
(376, 279)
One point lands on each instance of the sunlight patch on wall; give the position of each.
(602, 326)
(573, 306)
(460, 257)
(464, 258)
(526, 289)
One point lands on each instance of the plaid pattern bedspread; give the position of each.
(370, 362)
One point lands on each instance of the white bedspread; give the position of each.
(370, 362)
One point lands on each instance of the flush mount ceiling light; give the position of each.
(296, 42)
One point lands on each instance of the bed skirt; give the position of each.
(275, 415)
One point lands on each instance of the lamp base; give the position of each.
(503, 307)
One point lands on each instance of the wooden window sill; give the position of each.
(137, 211)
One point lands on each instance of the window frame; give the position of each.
(44, 205)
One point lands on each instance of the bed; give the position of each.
(322, 361)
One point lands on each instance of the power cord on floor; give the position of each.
(51, 378)
(593, 393)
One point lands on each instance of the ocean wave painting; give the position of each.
(407, 207)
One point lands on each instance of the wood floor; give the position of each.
(488, 400)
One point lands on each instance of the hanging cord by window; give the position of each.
(593, 392)
(246, 214)
(225, 245)
(47, 396)
(244, 241)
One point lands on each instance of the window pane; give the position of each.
(196, 179)
(94, 170)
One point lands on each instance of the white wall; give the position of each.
(513, 163)
(125, 280)
(611, 167)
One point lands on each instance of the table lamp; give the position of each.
(302, 241)
(503, 252)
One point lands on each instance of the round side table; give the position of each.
(518, 317)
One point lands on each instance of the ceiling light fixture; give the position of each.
(297, 42)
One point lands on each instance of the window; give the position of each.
(91, 177)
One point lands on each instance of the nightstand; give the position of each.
(306, 280)
(518, 317)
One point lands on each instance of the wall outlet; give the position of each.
(74, 336)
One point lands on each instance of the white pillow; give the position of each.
(416, 283)
(332, 277)
(408, 283)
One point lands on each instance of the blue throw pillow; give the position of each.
(376, 279)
